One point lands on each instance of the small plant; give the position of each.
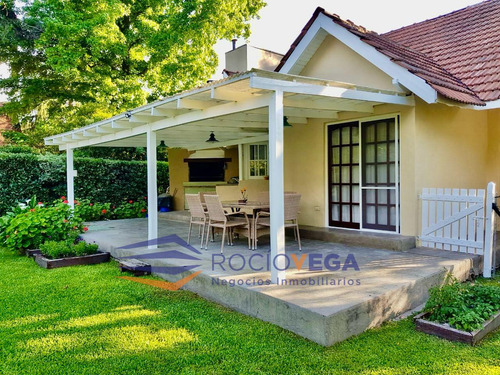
(64, 249)
(130, 209)
(463, 306)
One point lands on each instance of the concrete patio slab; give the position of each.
(326, 306)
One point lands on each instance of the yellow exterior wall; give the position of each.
(335, 61)
(179, 171)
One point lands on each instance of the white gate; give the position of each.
(456, 220)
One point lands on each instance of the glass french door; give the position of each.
(363, 175)
(344, 189)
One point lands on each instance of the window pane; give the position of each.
(346, 193)
(252, 169)
(392, 152)
(382, 215)
(381, 152)
(392, 196)
(370, 153)
(370, 133)
(252, 152)
(263, 152)
(382, 196)
(336, 137)
(381, 131)
(355, 214)
(346, 213)
(336, 175)
(392, 130)
(335, 212)
(355, 194)
(355, 154)
(392, 174)
(370, 174)
(336, 155)
(382, 174)
(346, 139)
(355, 174)
(393, 216)
(335, 193)
(370, 196)
(346, 171)
(346, 155)
(370, 214)
(355, 134)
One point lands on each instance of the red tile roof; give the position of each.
(465, 42)
(458, 54)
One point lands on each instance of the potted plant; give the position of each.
(244, 196)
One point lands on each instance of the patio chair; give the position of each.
(263, 221)
(218, 218)
(198, 216)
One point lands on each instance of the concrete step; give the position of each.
(389, 241)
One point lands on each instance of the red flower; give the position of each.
(65, 201)
(104, 211)
(145, 198)
(63, 197)
(74, 227)
(114, 207)
(32, 210)
(130, 201)
(91, 204)
(40, 203)
(85, 229)
(77, 203)
(143, 210)
(65, 221)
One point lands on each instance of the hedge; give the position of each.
(23, 175)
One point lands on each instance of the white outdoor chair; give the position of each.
(198, 215)
(263, 222)
(218, 218)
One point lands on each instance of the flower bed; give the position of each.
(55, 254)
(463, 312)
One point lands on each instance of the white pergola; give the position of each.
(242, 109)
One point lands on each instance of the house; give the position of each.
(375, 119)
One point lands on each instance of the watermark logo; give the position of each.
(184, 256)
(247, 268)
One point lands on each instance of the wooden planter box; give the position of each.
(33, 252)
(446, 332)
(99, 257)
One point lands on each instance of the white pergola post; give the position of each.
(152, 188)
(276, 187)
(70, 178)
(240, 161)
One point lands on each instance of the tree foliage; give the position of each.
(76, 62)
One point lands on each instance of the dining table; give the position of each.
(254, 206)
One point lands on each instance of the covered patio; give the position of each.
(242, 109)
(324, 306)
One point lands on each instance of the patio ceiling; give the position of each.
(235, 109)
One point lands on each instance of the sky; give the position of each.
(282, 20)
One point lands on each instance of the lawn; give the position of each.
(84, 320)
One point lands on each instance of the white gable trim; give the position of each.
(413, 83)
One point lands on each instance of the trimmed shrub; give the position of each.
(24, 175)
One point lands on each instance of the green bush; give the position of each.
(24, 175)
(463, 306)
(29, 227)
(64, 249)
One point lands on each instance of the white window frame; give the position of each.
(247, 160)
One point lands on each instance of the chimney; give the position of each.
(234, 43)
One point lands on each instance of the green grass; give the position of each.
(84, 320)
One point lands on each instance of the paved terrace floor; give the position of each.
(324, 306)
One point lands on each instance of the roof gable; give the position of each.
(413, 69)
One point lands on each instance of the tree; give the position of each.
(76, 62)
